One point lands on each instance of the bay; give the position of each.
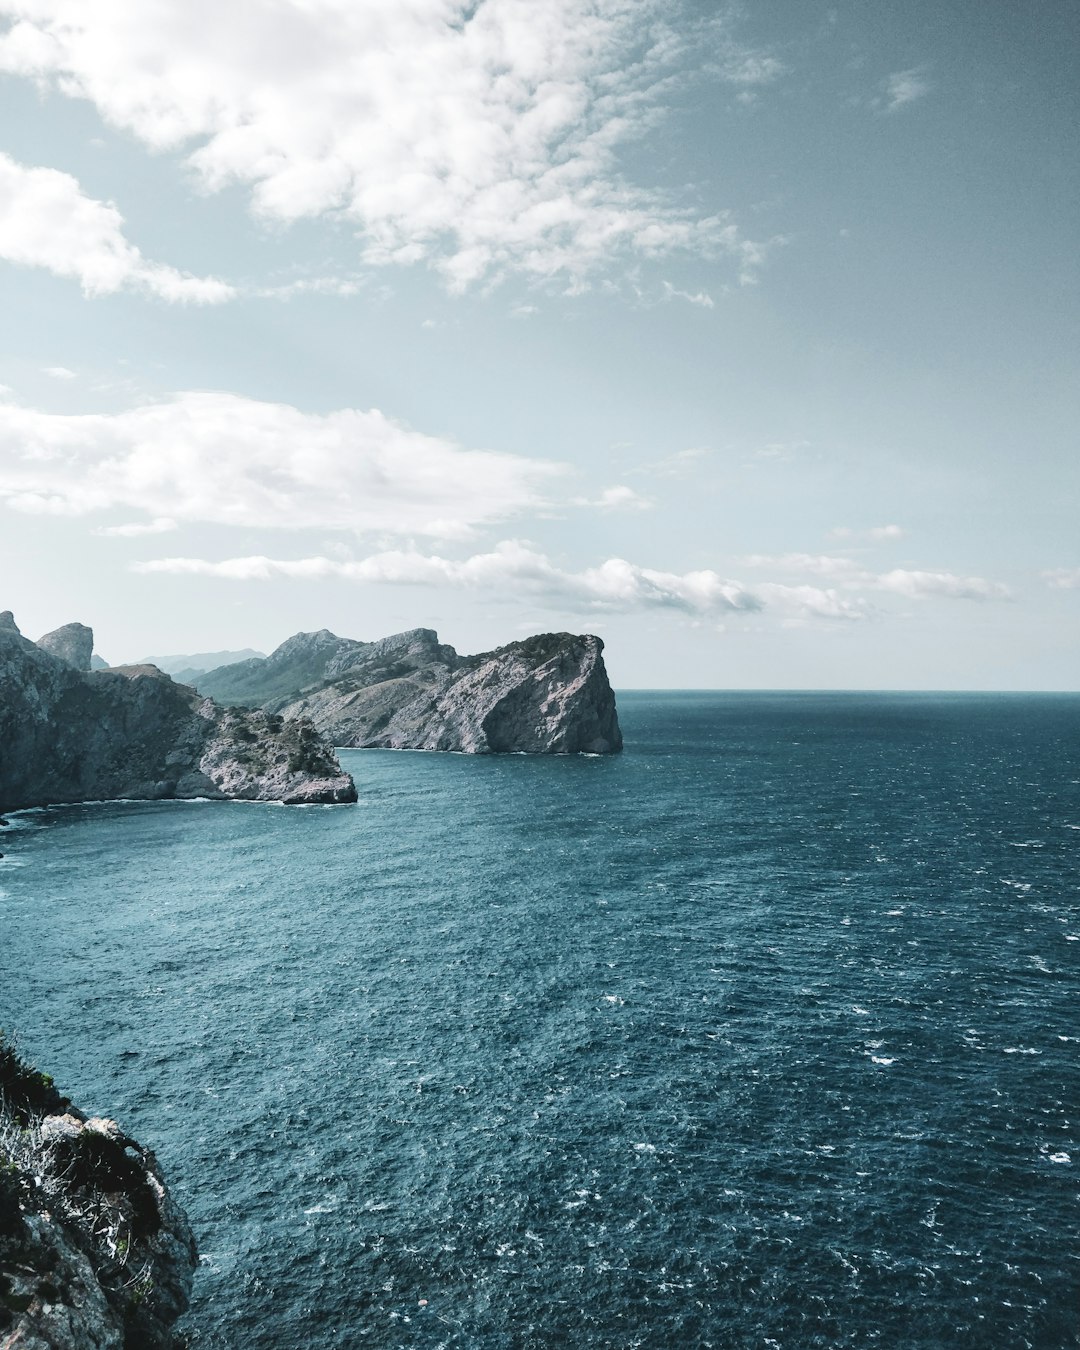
(762, 1033)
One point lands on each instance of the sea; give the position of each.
(761, 1034)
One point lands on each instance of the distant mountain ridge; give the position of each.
(547, 694)
(188, 667)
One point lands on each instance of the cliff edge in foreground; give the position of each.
(94, 1253)
(70, 735)
(547, 694)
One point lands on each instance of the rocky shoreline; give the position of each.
(69, 733)
(94, 1252)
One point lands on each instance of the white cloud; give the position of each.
(514, 569)
(915, 585)
(702, 298)
(481, 138)
(1063, 578)
(47, 221)
(59, 373)
(812, 602)
(229, 460)
(619, 498)
(750, 69)
(919, 585)
(903, 87)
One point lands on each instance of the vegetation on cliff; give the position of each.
(94, 1253)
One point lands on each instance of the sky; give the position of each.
(743, 335)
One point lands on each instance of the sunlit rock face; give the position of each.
(542, 695)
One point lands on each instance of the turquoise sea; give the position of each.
(762, 1034)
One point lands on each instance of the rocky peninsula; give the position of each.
(94, 1252)
(70, 733)
(547, 694)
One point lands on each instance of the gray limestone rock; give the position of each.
(94, 1252)
(70, 735)
(73, 643)
(543, 695)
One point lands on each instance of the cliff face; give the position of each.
(70, 735)
(543, 695)
(94, 1253)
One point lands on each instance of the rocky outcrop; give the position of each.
(73, 643)
(543, 695)
(71, 735)
(94, 1252)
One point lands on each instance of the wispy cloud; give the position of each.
(920, 585)
(137, 529)
(618, 498)
(914, 584)
(481, 139)
(903, 87)
(220, 458)
(47, 221)
(59, 373)
(1063, 578)
(702, 298)
(513, 570)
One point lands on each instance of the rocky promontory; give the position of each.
(69, 734)
(547, 694)
(94, 1252)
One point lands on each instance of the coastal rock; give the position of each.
(94, 1252)
(73, 643)
(69, 735)
(547, 694)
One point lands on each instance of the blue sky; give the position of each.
(745, 336)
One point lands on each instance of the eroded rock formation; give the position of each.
(543, 695)
(70, 735)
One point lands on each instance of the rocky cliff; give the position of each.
(543, 695)
(94, 1253)
(70, 735)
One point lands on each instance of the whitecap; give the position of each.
(882, 1059)
(863, 1012)
(1060, 1158)
(1021, 1050)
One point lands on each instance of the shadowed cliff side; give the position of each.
(69, 735)
(547, 694)
(94, 1253)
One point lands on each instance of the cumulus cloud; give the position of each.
(903, 87)
(480, 138)
(229, 460)
(1063, 578)
(46, 220)
(514, 569)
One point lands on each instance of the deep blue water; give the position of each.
(762, 1034)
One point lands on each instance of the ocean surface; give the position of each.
(762, 1034)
